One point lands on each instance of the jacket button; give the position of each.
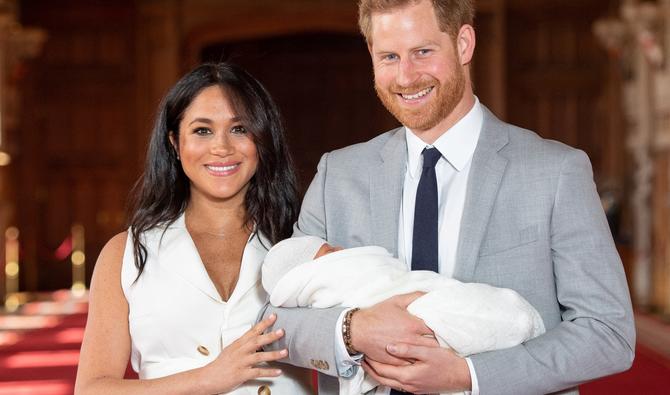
(264, 390)
(319, 364)
(203, 350)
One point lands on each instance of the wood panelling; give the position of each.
(558, 80)
(76, 159)
(89, 106)
(324, 88)
(490, 60)
(322, 81)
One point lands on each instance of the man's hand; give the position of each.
(373, 328)
(434, 370)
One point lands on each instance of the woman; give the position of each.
(179, 292)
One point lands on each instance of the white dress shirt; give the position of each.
(457, 146)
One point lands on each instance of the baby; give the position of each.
(468, 317)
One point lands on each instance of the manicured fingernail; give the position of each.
(277, 371)
(279, 331)
(283, 352)
(391, 348)
(273, 316)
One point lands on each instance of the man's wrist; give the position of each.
(474, 384)
(347, 365)
(464, 376)
(346, 331)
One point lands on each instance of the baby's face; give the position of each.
(325, 250)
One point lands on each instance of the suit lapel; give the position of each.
(386, 181)
(486, 173)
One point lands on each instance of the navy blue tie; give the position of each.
(424, 237)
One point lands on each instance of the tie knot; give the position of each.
(430, 157)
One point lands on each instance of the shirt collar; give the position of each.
(457, 145)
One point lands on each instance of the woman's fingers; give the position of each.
(255, 338)
(264, 372)
(267, 338)
(258, 330)
(268, 356)
(261, 326)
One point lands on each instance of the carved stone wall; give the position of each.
(638, 40)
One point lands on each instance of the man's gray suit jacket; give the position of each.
(532, 222)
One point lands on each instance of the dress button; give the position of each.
(203, 350)
(264, 390)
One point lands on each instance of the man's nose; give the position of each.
(407, 72)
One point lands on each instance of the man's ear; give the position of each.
(465, 44)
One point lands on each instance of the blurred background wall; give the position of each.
(80, 81)
(83, 104)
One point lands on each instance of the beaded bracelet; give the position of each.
(346, 331)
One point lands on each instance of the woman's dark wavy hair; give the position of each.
(160, 196)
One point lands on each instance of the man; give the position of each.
(457, 191)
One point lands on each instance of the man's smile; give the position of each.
(416, 95)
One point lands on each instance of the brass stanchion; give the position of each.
(78, 259)
(12, 269)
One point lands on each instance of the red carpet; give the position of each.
(39, 351)
(39, 348)
(650, 374)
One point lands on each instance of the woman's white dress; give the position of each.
(177, 319)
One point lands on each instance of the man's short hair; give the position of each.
(451, 14)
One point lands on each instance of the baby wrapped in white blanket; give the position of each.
(469, 318)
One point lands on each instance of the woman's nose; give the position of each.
(221, 145)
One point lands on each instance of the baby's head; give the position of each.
(325, 250)
(290, 253)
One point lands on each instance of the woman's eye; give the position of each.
(202, 131)
(239, 129)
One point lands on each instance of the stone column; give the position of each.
(639, 41)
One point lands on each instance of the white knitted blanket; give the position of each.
(470, 318)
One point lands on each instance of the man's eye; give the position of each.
(424, 51)
(202, 131)
(390, 57)
(239, 129)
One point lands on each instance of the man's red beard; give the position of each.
(429, 115)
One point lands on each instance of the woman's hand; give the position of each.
(238, 362)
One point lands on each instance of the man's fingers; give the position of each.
(389, 382)
(426, 341)
(407, 351)
(405, 299)
(390, 360)
(399, 350)
(387, 371)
